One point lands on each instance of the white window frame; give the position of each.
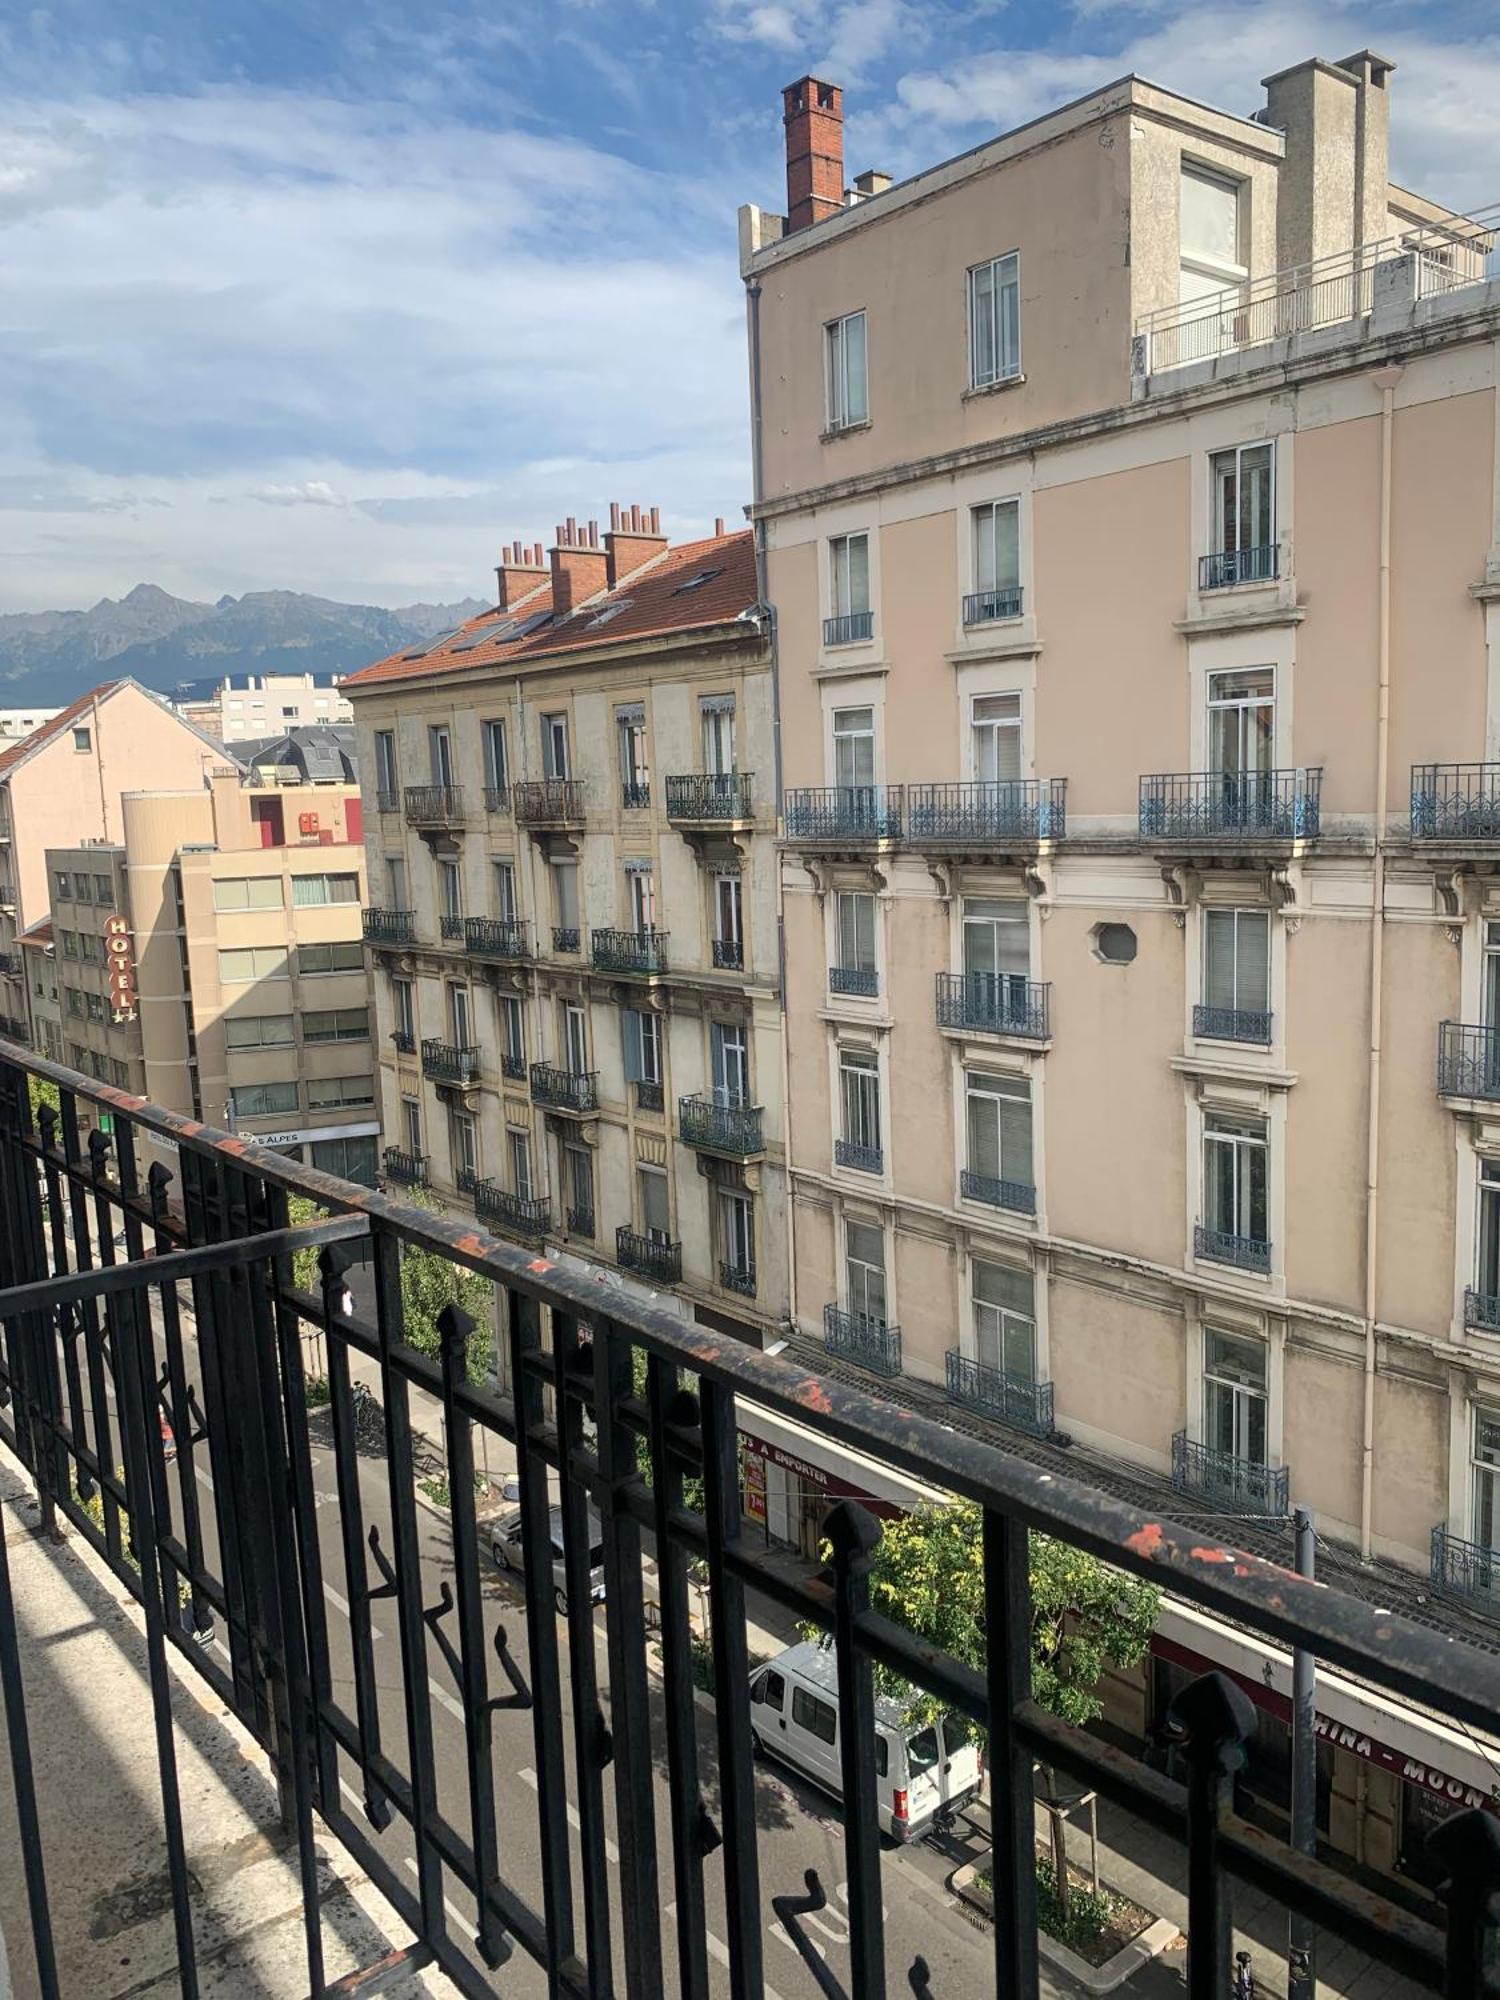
(1000, 277)
(846, 392)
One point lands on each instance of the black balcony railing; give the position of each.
(648, 1256)
(1229, 805)
(497, 937)
(497, 798)
(983, 814)
(450, 1062)
(729, 955)
(858, 1337)
(1011, 1399)
(410, 1169)
(861, 980)
(983, 607)
(1018, 1196)
(649, 1094)
(629, 951)
(513, 1067)
(548, 802)
(1243, 1485)
(997, 1003)
(849, 628)
(1482, 1310)
(854, 1153)
(394, 927)
(525, 1215)
(1468, 1063)
(1231, 1024)
(1455, 802)
(565, 1089)
(580, 1221)
(435, 805)
(840, 813)
(1229, 566)
(635, 795)
(405, 1041)
(711, 1127)
(1223, 1246)
(566, 937)
(466, 1179)
(10, 964)
(451, 927)
(1469, 1571)
(273, 1531)
(737, 1278)
(711, 796)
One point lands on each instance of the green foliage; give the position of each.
(435, 1486)
(93, 1506)
(317, 1391)
(692, 1485)
(43, 1092)
(701, 1657)
(1088, 1915)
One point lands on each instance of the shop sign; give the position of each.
(119, 957)
(752, 1447)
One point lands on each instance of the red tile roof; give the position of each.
(64, 719)
(653, 603)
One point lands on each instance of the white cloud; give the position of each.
(304, 493)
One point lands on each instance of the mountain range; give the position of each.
(49, 657)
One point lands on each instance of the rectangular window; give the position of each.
(565, 894)
(520, 1164)
(1234, 1177)
(856, 930)
(997, 938)
(386, 780)
(73, 999)
(83, 887)
(334, 1093)
(506, 907)
(716, 713)
(337, 1024)
(995, 733)
(736, 1230)
(460, 1017)
(318, 958)
(640, 890)
(395, 881)
(411, 1119)
(641, 1034)
(247, 892)
(729, 1054)
(69, 943)
(512, 1029)
(440, 754)
(263, 1100)
(635, 775)
(262, 961)
(1237, 961)
(104, 890)
(578, 1172)
(859, 1085)
(818, 1718)
(1234, 1395)
(1485, 1466)
(1242, 722)
(258, 1031)
(463, 1142)
(91, 946)
(1004, 1319)
(728, 924)
(401, 1007)
(352, 1159)
(1242, 487)
(119, 1074)
(555, 762)
(656, 1208)
(62, 885)
(95, 1004)
(496, 756)
(999, 1125)
(450, 891)
(853, 747)
(1209, 251)
(997, 552)
(83, 740)
(846, 371)
(575, 1038)
(864, 1270)
(848, 575)
(309, 891)
(995, 320)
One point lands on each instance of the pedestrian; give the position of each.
(346, 1302)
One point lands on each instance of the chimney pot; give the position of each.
(614, 515)
(656, 520)
(536, 554)
(718, 527)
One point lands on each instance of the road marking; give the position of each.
(444, 1699)
(611, 1852)
(719, 1950)
(781, 1937)
(199, 1473)
(341, 1603)
(464, 1923)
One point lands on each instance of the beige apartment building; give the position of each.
(266, 705)
(571, 844)
(1129, 490)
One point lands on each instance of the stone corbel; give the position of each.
(1182, 884)
(1450, 886)
(818, 871)
(1037, 875)
(942, 873)
(1284, 893)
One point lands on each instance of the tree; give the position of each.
(43, 1091)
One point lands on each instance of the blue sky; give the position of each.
(336, 296)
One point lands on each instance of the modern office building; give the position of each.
(263, 705)
(16, 723)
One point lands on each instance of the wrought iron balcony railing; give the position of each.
(580, 1221)
(11, 965)
(313, 1517)
(648, 1256)
(868, 1342)
(1231, 1024)
(1223, 1246)
(513, 1067)
(982, 814)
(710, 1127)
(1468, 1063)
(1231, 566)
(860, 980)
(737, 1278)
(1455, 802)
(635, 796)
(394, 927)
(630, 951)
(405, 1041)
(435, 805)
(983, 607)
(711, 796)
(1469, 1571)
(410, 1169)
(729, 954)
(1482, 1310)
(1231, 805)
(1019, 1196)
(996, 1003)
(649, 1095)
(548, 802)
(566, 937)
(1011, 1399)
(565, 1089)
(451, 927)
(857, 814)
(854, 1153)
(849, 628)
(388, 802)
(497, 937)
(450, 1062)
(1243, 1485)
(528, 1216)
(497, 799)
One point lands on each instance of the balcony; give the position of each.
(737, 1278)
(855, 981)
(1216, 806)
(1224, 1479)
(451, 927)
(548, 802)
(435, 805)
(466, 1179)
(450, 1062)
(729, 955)
(850, 628)
(497, 937)
(1481, 1311)
(710, 1127)
(648, 1257)
(390, 927)
(860, 1158)
(496, 800)
(710, 798)
(844, 815)
(867, 1342)
(1455, 802)
(1232, 1024)
(580, 1222)
(1467, 1571)
(294, 1503)
(1222, 1246)
(639, 952)
(987, 815)
(405, 1041)
(528, 1216)
(1227, 567)
(514, 1068)
(11, 965)
(1468, 1062)
(649, 1095)
(1010, 1399)
(635, 796)
(995, 1003)
(987, 607)
(575, 1091)
(1017, 1196)
(408, 1169)
(566, 938)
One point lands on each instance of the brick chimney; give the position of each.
(580, 568)
(518, 573)
(814, 116)
(634, 539)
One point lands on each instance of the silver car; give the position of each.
(508, 1550)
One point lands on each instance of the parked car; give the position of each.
(921, 1769)
(507, 1548)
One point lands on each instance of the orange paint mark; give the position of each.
(816, 1397)
(1148, 1541)
(1202, 1555)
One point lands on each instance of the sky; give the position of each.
(338, 295)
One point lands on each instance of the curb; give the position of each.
(1105, 1978)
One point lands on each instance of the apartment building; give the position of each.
(16, 723)
(264, 705)
(573, 931)
(1129, 491)
(63, 783)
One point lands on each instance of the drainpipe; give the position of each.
(1384, 381)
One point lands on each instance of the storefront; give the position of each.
(790, 1477)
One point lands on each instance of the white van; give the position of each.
(920, 1769)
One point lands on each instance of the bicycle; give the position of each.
(369, 1418)
(1242, 1981)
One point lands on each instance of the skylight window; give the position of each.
(693, 582)
(609, 611)
(504, 628)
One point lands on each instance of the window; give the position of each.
(729, 944)
(736, 1230)
(642, 1039)
(310, 890)
(395, 881)
(262, 961)
(450, 893)
(847, 372)
(69, 943)
(352, 1159)
(565, 894)
(1237, 973)
(575, 1038)
(995, 738)
(864, 1270)
(440, 754)
(513, 1031)
(520, 1164)
(853, 746)
(729, 1056)
(640, 889)
(318, 958)
(83, 739)
(506, 908)
(997, 558)
(849, 576)
(386, 779)
(1234, 1395)
(337, 1024)
(401, 1007)
(90, 946)
(716, 713)
(104, 890)
(411, 1119)
(83, 887)
(1208, 235)
(496, 756)
(460, 1017)
(1242, 507)
(859, 1092)
(119, 1073)
(819, 1718)
(997, 938)
(1234, 1178)
(995, 320)
(656, 1209)
(463, 1143)
(333, 1093)
(856, 933)
(1115, 944)
(289, 714)
(247, 892)
(263, 1100)
(555, 746)
(999, 1127)
(1485, 1467)
(73, 1000)
(78, 1055)
(62, 885)
(1487, 1274)
(1004, 1319)
(578, 1179)
(635, 776)
(1242, 721)
(258, 1031)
